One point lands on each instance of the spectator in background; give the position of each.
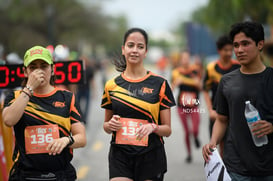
(214, 72)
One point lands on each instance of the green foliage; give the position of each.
(25, 23)
(219, 15)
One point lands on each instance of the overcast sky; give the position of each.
(153, 15)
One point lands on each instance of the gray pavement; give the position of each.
(92, 164)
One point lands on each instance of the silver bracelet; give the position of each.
(30, 89)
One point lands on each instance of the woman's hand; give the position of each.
(114, 123)
(57, 145)
(145, 130)
(36, 78)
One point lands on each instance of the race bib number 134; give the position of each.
(38, 137)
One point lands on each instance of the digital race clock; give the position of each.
(67, 72)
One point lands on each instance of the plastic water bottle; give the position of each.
(252, 115)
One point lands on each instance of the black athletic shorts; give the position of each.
(68, 174)
(148, 166)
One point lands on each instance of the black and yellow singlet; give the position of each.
(214, 73)
(56, 108)
(138, 99)
(188, 85)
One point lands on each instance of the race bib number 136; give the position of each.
(38, 137)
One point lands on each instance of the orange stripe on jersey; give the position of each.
(138, 80)
(46, 95)
(162, 91)
(163, 96)
(72, 106)
(104, 104)
(164, 105)
(76, 120)
(17, 157)
(105, 99)
(167, 99)
(134, 107)
(62, 121)
(36, 117)
(232, 62)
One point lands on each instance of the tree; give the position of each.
(220, 15)
(25, 23)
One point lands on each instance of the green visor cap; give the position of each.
(37, 53)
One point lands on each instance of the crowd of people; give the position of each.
(50, 123)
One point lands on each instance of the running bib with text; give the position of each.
(38, 137)
(188, 99)
(127, 135)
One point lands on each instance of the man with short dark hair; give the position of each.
(253, 82)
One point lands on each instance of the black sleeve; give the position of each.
(206, 84)
(167, 97)
(265, 98)
(220, 103)
(9, 99)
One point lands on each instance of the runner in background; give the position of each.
(137, 113)
(214, 72)
(47, 123)
(187, 78)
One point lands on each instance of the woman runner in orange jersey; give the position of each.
(187, 78)
(137, 113)
(46, 123)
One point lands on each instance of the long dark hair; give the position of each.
(119, 61)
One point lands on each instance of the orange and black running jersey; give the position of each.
(187, 77)
(138, 99)
(214, 73)
(58, 107)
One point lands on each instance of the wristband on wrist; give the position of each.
(26, 93)
(71, 140)
(30, 89)
(155, 127)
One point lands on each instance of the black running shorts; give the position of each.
(148, 166)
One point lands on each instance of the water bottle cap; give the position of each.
(247, 102)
